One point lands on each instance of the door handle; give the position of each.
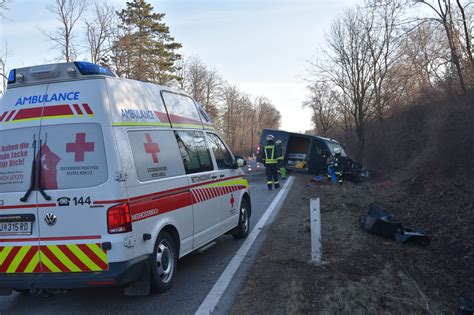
(214, 176)
(222, 175)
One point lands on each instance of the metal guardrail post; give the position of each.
(315, 219)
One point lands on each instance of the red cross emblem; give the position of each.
(232, 200)
(151, 148)
(80, 147)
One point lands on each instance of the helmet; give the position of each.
(278, 142)
(270, 138)
(337, 151)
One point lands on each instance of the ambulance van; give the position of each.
(106, 181)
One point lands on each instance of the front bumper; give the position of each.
(119, 274)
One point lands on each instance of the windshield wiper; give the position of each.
(41, 190)
(33, 168)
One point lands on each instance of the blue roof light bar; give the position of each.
(87, 68)
(12, 76)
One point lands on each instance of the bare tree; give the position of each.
(458, 35)
(3, 54)
(99, 30)
(212, 89)
(323, 103)
(383, 40)
(3, 69)
(362, 49)
(230, 98)
(3, 7)
(349, 67)
(243, 119)
(68, 13)
(203, 84)
(422, 66)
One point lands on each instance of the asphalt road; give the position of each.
(196, 275)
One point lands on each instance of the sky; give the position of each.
(261, 46)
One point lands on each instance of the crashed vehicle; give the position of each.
(310, 154)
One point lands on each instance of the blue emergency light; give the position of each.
(12, 76)
(87, 68)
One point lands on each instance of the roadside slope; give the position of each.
(361, 273)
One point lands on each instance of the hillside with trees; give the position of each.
(383, 57)
(395, 83)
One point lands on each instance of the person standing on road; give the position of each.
(335, 166)
(280, 153)
(270, 159)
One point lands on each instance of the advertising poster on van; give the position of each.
(66, 156)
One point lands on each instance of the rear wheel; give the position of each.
(163, 268)
(242, 229)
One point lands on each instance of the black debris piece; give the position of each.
(379, 222)
(382, 223)
(407, 234)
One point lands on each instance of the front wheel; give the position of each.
(242, 229)
(163, 268)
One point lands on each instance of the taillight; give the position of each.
(119, 219)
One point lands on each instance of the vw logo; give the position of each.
(50, 219)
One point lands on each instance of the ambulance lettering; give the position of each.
(46, 98)
(137, 114)
(143, 215)
(201, 178)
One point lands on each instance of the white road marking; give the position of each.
(214, 296)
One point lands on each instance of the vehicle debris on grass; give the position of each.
(381, 223)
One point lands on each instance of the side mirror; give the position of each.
(240, 161)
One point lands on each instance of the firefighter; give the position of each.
(280, 153)
(335, 166)
(270, 159)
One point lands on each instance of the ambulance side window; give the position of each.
(223, 158)
(155, 154)
(194, 151)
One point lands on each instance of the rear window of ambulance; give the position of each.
(68, 156)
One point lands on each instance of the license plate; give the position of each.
(15, 228)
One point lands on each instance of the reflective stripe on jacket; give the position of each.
(269, 154)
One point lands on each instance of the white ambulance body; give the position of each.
(106, 181)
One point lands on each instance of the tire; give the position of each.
(163, 266)
(242, 229)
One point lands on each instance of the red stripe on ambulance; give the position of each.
(78, 109)
(3, 116)
(57, 110)
(88, 109)
(10, 115)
